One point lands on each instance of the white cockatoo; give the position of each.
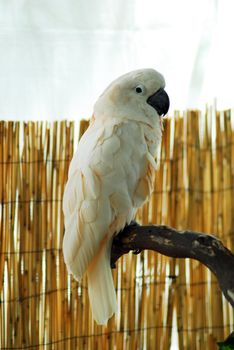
(110, 176)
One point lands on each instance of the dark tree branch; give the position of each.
(208, 249)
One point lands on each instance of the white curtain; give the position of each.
(56, 56)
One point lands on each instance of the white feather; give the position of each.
(108, 180)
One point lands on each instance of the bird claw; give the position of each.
(137, 251)
(113, 265)
(133, 223)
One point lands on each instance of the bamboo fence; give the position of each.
(42, 307)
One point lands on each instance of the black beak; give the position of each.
(159, 101)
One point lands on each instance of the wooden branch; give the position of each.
(208, 249)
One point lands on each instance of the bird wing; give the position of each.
(98, 197)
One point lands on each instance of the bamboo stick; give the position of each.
(2, 236)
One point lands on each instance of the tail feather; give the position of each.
(101, 289)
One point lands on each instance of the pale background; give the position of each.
(56, 56)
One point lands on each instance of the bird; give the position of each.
(110, 176)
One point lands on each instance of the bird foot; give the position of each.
(137, 251)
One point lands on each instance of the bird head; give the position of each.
(138, 95)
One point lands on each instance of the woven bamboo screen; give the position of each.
(41, 307)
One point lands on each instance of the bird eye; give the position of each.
(140, 89)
